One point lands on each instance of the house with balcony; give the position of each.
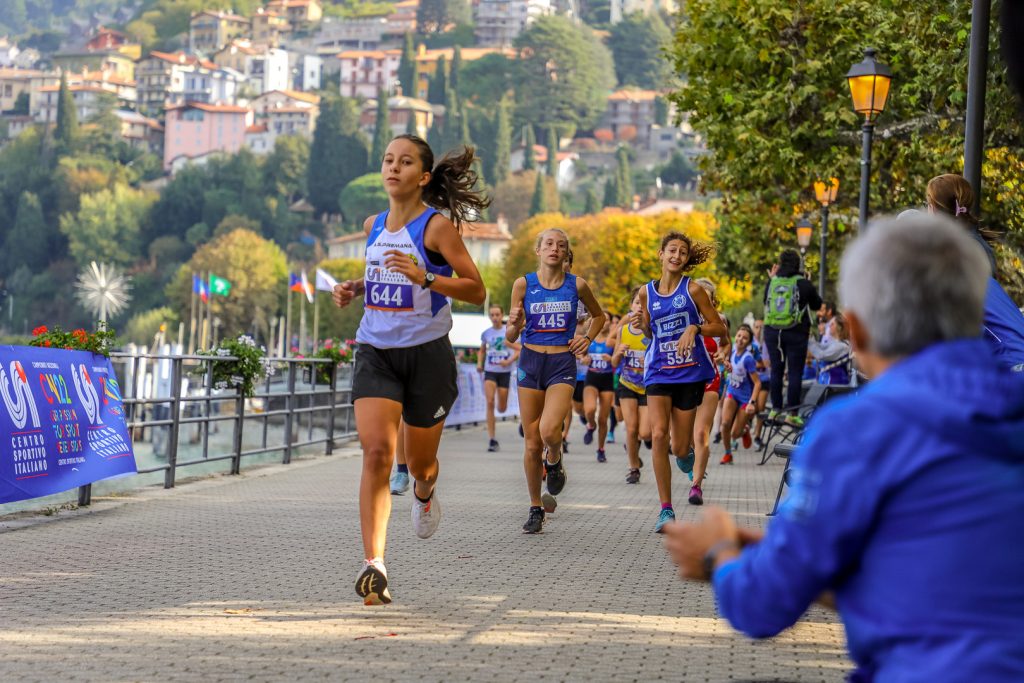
(268, 27)
(210, 31)
(141, 132)
(89, 101)
(276, 99)
(499, 22)
(160, 78)
(14, 82)
(401, 110)
(264, 68)
(111, 61)
(301, 14)
(195, 130)
(364, 72)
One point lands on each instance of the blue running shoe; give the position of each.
(601, 456)
(399, 482)
(588, 438)
(611, 436)
(583, 420)
(667, 515)
(685, 463)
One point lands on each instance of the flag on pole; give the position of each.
(219, 285)
(324, 281)
(307, 287)
(294, 283)
(199, 287)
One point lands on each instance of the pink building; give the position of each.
(195, 129)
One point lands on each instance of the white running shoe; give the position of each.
(426, 516)
(372, 583)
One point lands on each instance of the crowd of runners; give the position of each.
(670, 369)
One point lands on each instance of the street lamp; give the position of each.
(869, 86)
(825, 193)
(803, 238)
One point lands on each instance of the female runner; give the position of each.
(495, 362)
(632, 397)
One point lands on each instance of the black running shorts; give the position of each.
(422, 378)
(685, 396)
(625, 393)
(602, 381)
(500, 378)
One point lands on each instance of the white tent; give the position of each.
(467, 328)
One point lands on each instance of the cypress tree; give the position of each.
(456, 71)
(382, 133)
(436, 93)
(610, 192)
(529, 162)
(593, 204)
(623, 179)
(552, 165)
(539, 202)
(503, 143)
(407, 67)
(66, 133)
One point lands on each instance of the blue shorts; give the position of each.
(542, 370)
(738, 396)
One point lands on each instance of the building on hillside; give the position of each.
(211, 86)
(14, 82)
(17, 124)
(364, 72)
(307, 70)
(110, 61)
(486, 243)
(196, 129)
(621, 8)
(292, 121)
(107, 39)
(427, 60)
(89, 101)
(160, 78)
(365, 33)
(301, 14)
(268, 27)
(141, 132)
(630, 116)
(209, 31)
(499, 22)
(9, 52)
(264, 68)
(401, 110)
(276, 99)
(566, 163)
(258, 139)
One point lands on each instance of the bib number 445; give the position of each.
(551, 321)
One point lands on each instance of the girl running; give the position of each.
(405, 366)
(764, 371)
(698, 465)
(495, 363)
(744, 382)
(543, 310)
(632, 397)
(675, 313)
(599, 389)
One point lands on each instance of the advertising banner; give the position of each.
(471, 405)
(61, 422)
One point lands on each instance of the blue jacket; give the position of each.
(1004, 325)
(908, 502)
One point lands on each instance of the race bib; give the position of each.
(388, 297)
(549, 316)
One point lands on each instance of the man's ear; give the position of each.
(859, 338)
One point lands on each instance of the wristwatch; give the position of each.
(711, 556)
(428, 280)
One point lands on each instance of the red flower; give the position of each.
(47, 343)
(39, 330)
(80, 334)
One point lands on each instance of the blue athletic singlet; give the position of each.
(550, 313)
(581, 371)
(670, 316)
(598, 364)
(398, 313)
(496, 350)
(741, 384)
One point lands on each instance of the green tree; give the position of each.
(438, 89)
(142, 327)
(257, 270)
(623, 179)
(362, 197)
(338, 154)
(565, 74)
(284, 171)
(341, 323)
(552, 151)
(661, 111)
(455, 73)
(538, 203)
(766, 91)
(502, 144)
(488, 79)
(26, 243)
(638, 43)
(407, 67)
(382, 133)
(678, 170)
(593, 204)
(529, 154)
(21, 104)
(611, 193)
(435, 16)
(67, 132)
(107, 226)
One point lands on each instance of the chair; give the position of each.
(782, 450)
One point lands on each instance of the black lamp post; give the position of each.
(803, 238)
(825, 193)
(869, 86)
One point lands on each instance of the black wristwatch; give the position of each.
(428, 280)
(712, 555)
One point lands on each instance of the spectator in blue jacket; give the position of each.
(906, 509)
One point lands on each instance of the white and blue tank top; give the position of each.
(399, 313)
(598, 363)
(670, 316)
(550, 313)
(496, 350)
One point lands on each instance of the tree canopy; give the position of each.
(638, 43)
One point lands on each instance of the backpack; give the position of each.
(782, 309)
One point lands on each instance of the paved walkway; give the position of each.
(250, 578)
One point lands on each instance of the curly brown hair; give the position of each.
(698, 252)
(452, 184)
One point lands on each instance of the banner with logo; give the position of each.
(61, 422)
(471, 405)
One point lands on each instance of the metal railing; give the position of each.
(166, 396)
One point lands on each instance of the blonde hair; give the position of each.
(563, 233)
(710, 288)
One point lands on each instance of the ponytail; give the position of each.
(452, 184)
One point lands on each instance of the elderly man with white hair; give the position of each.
(906, 510)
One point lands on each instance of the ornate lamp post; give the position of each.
(825, 193)
(803, 238)
(869, 86)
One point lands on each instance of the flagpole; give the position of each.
(288, 322)
(302, 324)
(316, 319)
(209, 312)
(192, 318)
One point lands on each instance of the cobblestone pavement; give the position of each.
(251, 578)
